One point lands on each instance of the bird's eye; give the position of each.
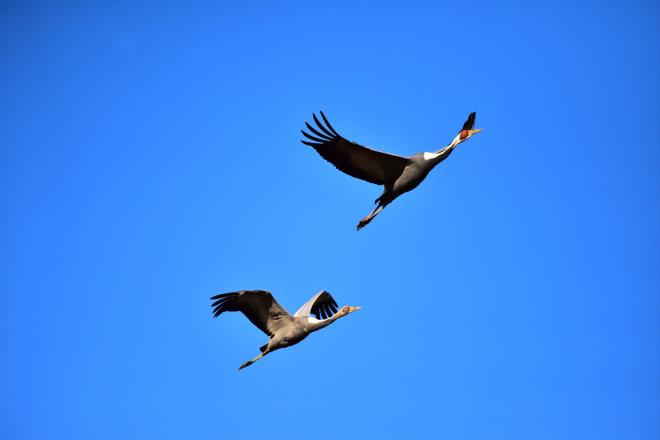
(464, 134)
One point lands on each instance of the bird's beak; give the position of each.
(477, 130)
(353, 309)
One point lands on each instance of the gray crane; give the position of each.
(283, 329)
(397, 174)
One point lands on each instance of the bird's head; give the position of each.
(466, 134)
(348, 309)
(467, 131)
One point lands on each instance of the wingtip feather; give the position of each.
(321, 126)
(309, 136)
(328, 123)
(318, 133)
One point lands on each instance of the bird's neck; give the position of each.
(314, 324)
(442, 154)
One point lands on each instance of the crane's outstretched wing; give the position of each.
(258, 306)
(323, 305)
(351, 158)
(469, 124)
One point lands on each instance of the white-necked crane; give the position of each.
(397, 174)
(282, 328)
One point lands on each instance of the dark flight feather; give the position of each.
(308, 136)
(258, 306)
(316, 132)
(322, 127)
(354, 159)
(328, 123)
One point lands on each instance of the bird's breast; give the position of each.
(412, 176)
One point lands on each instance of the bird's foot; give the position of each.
(364, 222)
(252, 361)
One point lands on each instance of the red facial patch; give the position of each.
(464, 134)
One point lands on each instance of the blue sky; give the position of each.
(151, 158)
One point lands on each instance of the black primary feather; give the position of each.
(316, 132)
(328, 123)
(309, 136)
(351, 158)
(325, 130)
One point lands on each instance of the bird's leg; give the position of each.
(250, 362)
(365, 221)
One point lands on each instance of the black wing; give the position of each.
(469, 124)
(322, 305)
(351, 158)
(258, 306)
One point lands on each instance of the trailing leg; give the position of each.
(365, 221)
(250, 362)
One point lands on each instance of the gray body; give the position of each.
(295, 331)
(413, 174)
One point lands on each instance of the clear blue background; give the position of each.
(150, 158)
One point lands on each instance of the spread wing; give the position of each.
(351, 158)
(258, 306)
(322, 305)
(469, 124)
